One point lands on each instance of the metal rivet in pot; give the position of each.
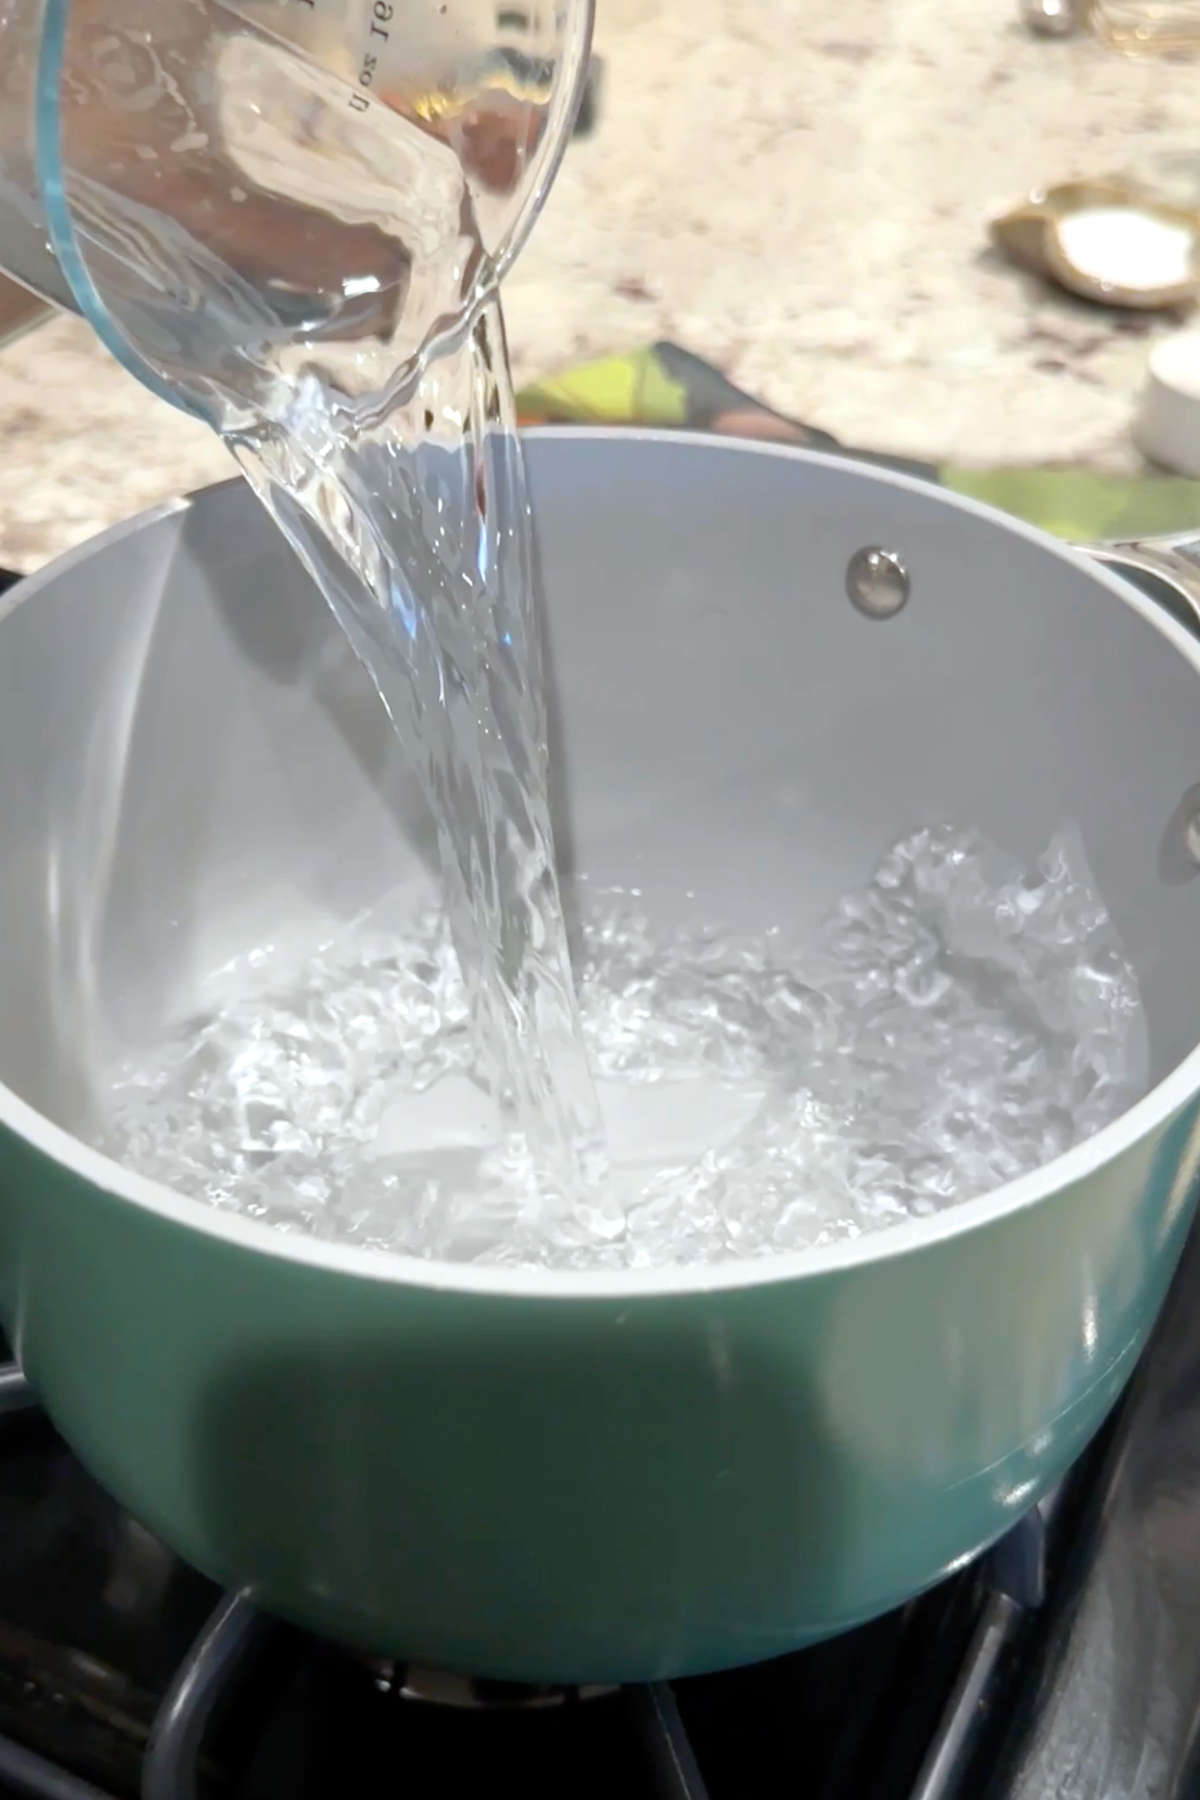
(877, 582)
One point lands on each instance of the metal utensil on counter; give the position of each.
(1054, 18)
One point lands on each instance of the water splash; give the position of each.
(960, 1021)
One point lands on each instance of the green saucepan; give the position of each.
(581, 1476)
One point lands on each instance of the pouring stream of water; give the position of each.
(418, 528)
(318, 277)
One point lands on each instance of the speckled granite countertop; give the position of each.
(800, 193)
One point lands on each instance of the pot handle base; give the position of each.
(1165, 568)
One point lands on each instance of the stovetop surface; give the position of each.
(1066, 1662)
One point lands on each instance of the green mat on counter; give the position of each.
(1072, 503)
(668, 387)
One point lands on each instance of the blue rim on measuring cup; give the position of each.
(60, 221)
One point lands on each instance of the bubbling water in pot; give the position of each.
(960, 1021)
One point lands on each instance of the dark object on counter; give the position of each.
(589, 101)
(20, 310)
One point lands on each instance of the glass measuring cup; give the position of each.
(230, 188)
(1148, 27)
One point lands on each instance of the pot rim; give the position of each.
(1138, 1122)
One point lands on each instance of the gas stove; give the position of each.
(1066, 1661)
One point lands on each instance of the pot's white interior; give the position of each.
(191, 763)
